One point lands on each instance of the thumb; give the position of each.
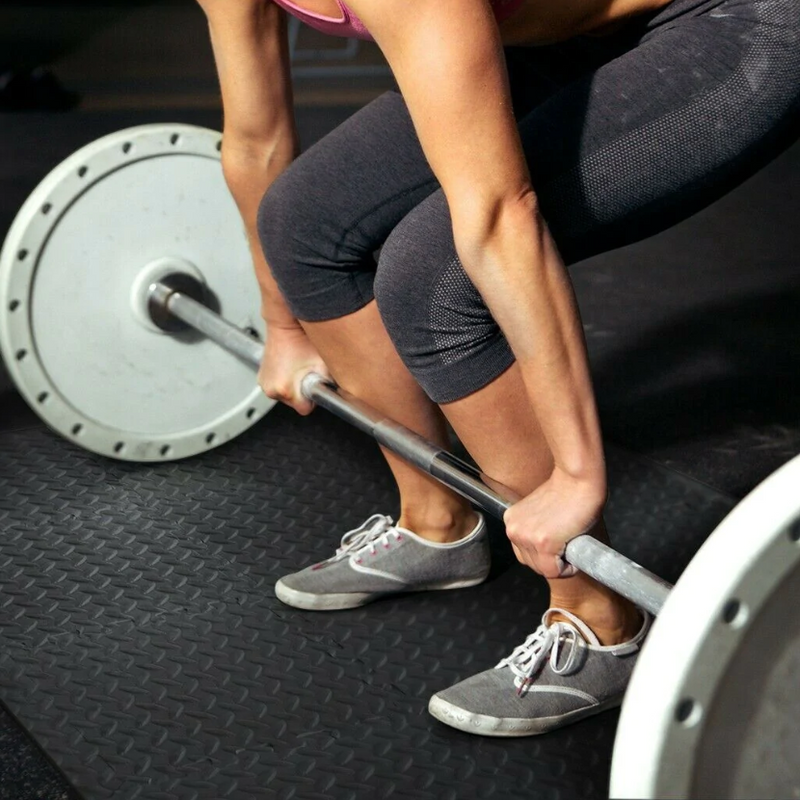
(565, 569)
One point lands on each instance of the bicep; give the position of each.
(251, 52)
(448, 61)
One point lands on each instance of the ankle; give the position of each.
(439, 525)
(611, 622)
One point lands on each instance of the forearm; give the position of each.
(249, 170)
(515, 265)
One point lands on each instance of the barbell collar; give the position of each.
(160, 292)
(590, 556)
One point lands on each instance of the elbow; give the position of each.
(242, 151)
(246, 161)
(479, 223)
(239, 174)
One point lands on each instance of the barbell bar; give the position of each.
(596, 559)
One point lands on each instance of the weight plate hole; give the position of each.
(219, 145)
(77, 429)
(22, 255)
(688, 712)
(82, 171)
(174, 139)
(251, 412)
(734, 613)
(127, 147)
(794, 532)
(21, 354)
(165, 450)
(42, 397)
(13, 305)
(119, 447)
(252, 333)
(210, 438)
(46, 208)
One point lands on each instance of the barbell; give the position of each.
(128, 322)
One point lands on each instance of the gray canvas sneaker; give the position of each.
(560, 674)
(379, 558)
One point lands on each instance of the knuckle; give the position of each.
(281, 392)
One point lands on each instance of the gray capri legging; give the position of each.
(624, 136)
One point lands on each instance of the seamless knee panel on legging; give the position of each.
(624, 136)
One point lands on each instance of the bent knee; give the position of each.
(436, 318)
(303, 248)
(280, 213)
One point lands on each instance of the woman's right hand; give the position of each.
(289, 356)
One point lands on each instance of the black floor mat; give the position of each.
(144, 649)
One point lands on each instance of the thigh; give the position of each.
(699, 103)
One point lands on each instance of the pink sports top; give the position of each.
(350, 25)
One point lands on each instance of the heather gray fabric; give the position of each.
(379, 558)
(559, 675)
(624, 136)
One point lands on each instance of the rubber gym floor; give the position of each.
(144, 654)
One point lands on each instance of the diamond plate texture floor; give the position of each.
(143, 647)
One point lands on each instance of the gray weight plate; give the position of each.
(713, 705)
(74, 271)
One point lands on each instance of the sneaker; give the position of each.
(379, 558)
(559, 675)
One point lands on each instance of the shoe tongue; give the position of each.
(570, 619)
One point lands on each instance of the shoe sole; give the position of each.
(484, 725)
(338, 601)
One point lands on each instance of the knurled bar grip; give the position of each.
(592, 557)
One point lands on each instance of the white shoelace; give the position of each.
(377, 530)
(549, 639)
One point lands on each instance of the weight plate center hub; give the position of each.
(180, 276)
(76, 330)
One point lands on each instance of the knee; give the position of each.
(405, 282)
(433, 313)
(290, 231)
(421, 288)
(429, 306)
(279, 213)
(322, 268)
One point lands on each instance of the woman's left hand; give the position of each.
(540, 525)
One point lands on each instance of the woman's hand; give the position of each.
(288, 357)
(540, 525)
